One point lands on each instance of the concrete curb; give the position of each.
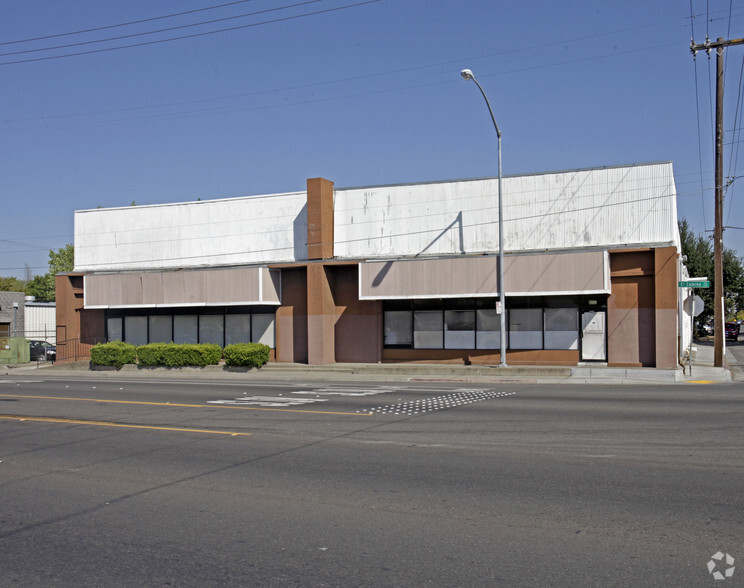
(395, 372)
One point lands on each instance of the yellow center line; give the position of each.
(177, 405)
(108, 424)
(700, 382)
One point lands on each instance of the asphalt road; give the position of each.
(136, 482)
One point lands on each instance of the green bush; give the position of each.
(115, 353)
(246, 354)
(175, 355)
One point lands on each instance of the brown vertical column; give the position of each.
(319, 218)
(291, 317)
(321, 317)
(77, 329)
(321, 308)
(665, 292)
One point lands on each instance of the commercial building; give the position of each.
(13, 347)
(393, 273)
(40, 320)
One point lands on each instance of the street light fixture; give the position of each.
(468, 75)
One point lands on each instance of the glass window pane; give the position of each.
(398, 327)
(562, 319)
(114, 326)
(459, 329)
(459, 320)
(161, 328)
(526, 319)
(185, 328)
(525, 340)
(135, 329)
(428, 329)
(427, 320)
(264, 330)
(489, 339)
(211, 329)
(488, 319)
(237, 328)
(562, 328)
(561, 339)
(489, 328)
(526, 328)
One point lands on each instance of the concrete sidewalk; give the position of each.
(702, 372)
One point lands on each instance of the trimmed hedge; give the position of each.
(115, 354)
(175, 355)
(118, 354)
(246, 355)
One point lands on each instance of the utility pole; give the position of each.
(718, 318)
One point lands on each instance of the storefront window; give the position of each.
(526, 328)
(115, 328)
(237, 328)
(398, 327)
(459, 329)
(211, 329)
(161, 330)
(562, 328)
(428, 329)
(488, 324)
(185, 328)
(263, 329)
(135, 330)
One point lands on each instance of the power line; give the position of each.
(156, 31)
(191, 36)
(123, 24)
(697, 110)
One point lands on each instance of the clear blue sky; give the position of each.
(364, 95)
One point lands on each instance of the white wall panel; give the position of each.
(248, 230)
(40, 321)
(606, 207)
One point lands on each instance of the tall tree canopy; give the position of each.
(700, 263)
(60, 261)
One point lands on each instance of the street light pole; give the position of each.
(468, 75)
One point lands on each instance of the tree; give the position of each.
(63, 260)
(700, 263)
(12, 284)
(60, 261)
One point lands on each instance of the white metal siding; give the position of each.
(596, 208)
(233, 231)
(40, 322)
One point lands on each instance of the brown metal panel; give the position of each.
(358, 327)
(319, 218)
(174, 288)
(472, 276)
(291, 317)
(666, 294)
(563, 272)
(194, 287)
(231, 285)
(129, 289)
(271, 285)
(321, 317)
(152, 288)
(631, 328)
(430, 277)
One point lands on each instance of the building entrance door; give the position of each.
(593, 335)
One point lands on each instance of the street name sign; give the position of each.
(694, 283)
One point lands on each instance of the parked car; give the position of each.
(706, 330)
(732, 331)
(42, 351)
